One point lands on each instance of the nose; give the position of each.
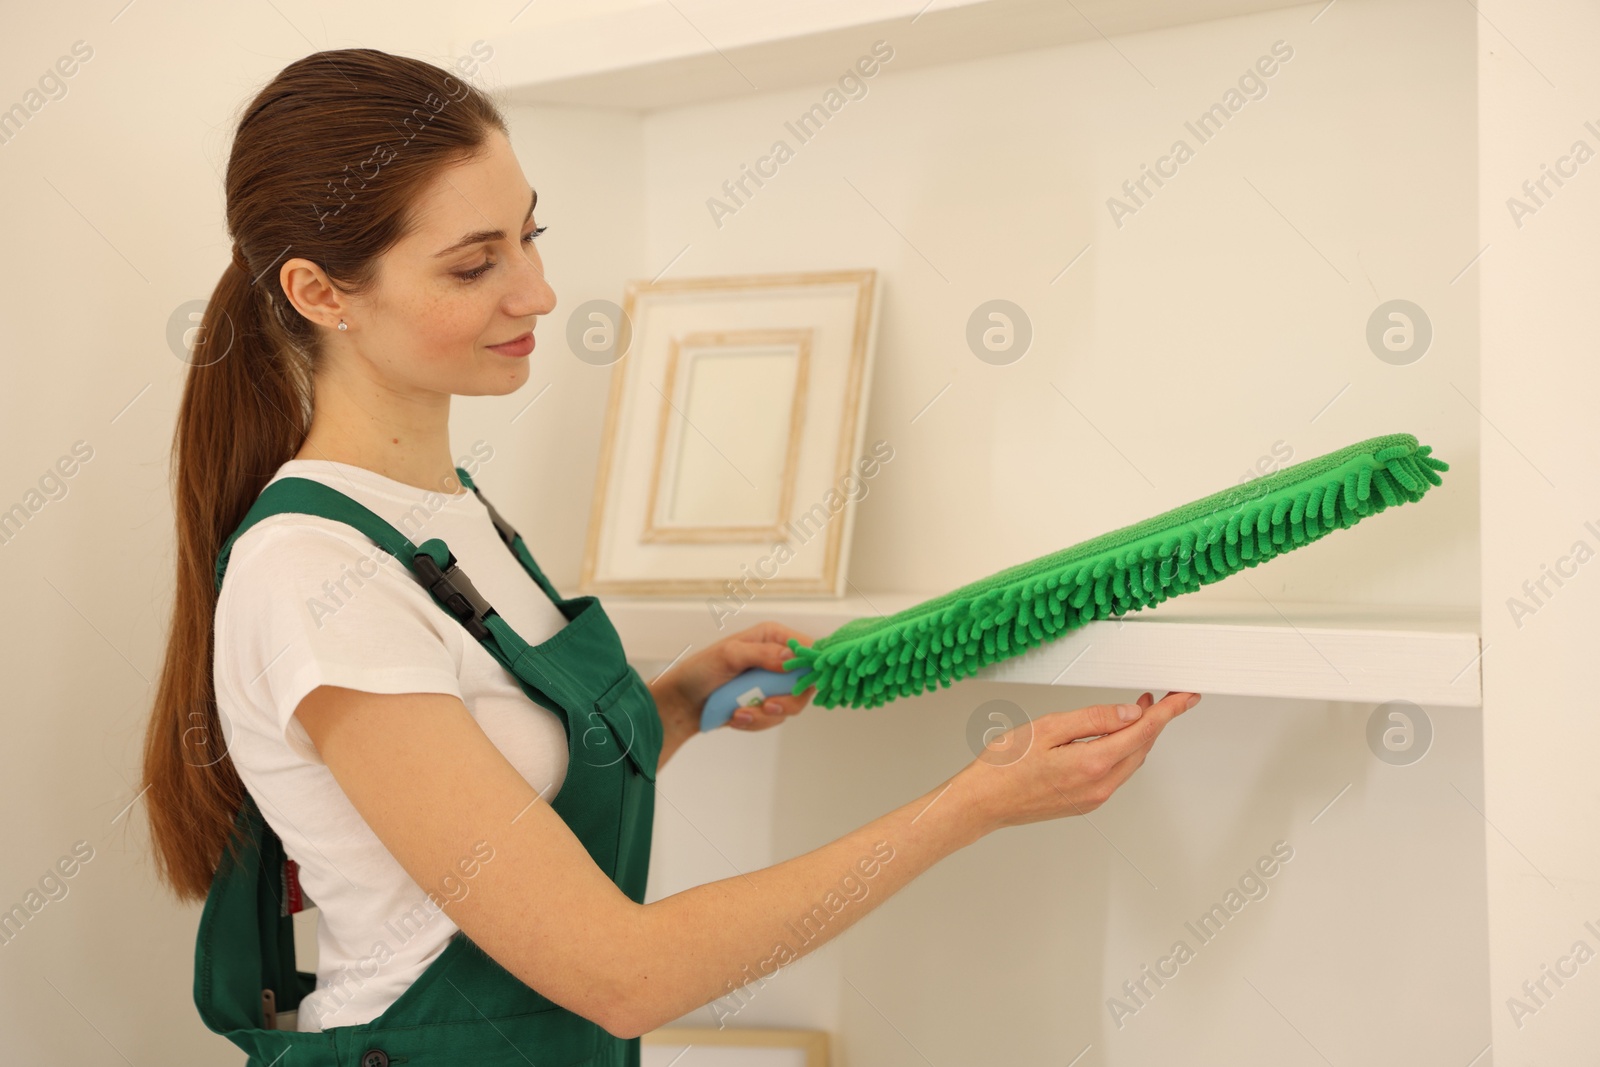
(531, 293)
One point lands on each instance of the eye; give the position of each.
(478, 272)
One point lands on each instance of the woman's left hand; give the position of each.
(762, 646)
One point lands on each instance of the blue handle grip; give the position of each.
(751, 687)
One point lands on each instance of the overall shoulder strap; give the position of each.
(309, 497)
(431, 563)
(507, 532)
(513, 540)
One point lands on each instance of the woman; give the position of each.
(458, 772)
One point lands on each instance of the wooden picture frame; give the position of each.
(733, 433)
(708, 1046)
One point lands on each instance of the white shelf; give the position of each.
(1429, 656)
(662, 54)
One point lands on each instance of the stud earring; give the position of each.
(342, 326)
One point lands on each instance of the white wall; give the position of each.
(1219, 321)
(1537, 88)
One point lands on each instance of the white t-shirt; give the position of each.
(308, 601)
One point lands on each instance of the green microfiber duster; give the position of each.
(871, 661)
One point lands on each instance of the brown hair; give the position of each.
(326, 162)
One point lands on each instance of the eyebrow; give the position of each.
(487, 235)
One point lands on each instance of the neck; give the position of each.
(401, 436)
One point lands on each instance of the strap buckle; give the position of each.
(452, 588)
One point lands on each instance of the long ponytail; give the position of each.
(247, 398)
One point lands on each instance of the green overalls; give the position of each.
(464, 1008)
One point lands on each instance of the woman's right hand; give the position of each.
(1044, 769)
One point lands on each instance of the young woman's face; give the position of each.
(466, 278)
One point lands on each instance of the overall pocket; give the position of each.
(632, 726)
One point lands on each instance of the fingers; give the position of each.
(748, 655)
(1097, 719)
(1108, 724)
(774, 633)
(773, 710)
(1151, 725)
(772, 641)
(765, 646)
(1111, 758)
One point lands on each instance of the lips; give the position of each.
(517, 346)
